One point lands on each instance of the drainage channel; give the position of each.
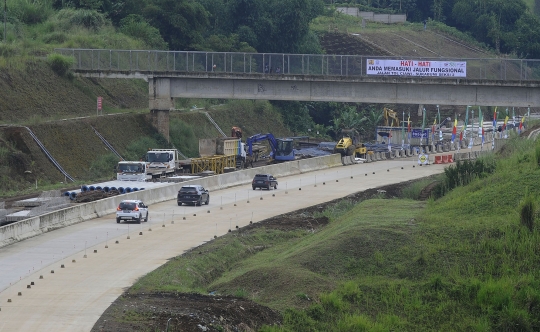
(215, 124)
(51, 158)
(107, 144)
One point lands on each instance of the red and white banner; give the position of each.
(99, 103)
(416, 68)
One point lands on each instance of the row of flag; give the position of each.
(463, 131)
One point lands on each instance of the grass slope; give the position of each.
(32, 93)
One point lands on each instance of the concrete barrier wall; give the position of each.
(81, 212)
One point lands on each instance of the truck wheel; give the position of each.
(117, 220)
(253, 188)
(198, 203)
(208, 200)
(146, 219)
(275, 186)
(139, 219)
(179, 204)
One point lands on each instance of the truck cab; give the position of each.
(132, 171)
(161, 162)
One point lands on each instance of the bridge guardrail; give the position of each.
(288, 64)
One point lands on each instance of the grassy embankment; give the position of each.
(464, 262)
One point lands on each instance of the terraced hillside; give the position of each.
(76, 147)
(31, 90)
(400, 42)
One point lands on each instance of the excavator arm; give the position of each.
(390, 118)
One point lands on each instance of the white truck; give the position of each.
(162, 162)
(132, 171)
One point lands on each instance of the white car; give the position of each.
(132, 209)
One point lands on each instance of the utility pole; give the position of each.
(5, 17)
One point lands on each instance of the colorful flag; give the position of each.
(454, 130)
(409, 128)
(495, 120)
(466, 123)
(423, 126)
(480, 123)
(505, 122)
(433, 130)
(403, 132)
(521, 123)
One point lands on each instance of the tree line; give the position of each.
(507, 26)
(280, 26)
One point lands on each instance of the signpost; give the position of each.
(99, 105)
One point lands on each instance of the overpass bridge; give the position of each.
(320, 77)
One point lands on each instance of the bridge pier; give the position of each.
(160, 104)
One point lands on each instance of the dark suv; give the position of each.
(193, 194)
(264, 181)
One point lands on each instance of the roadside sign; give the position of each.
(99, 104)
(423, 159)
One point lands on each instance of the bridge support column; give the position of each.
(160, 103)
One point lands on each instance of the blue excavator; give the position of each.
(282, 148)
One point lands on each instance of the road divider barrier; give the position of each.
(77, 213)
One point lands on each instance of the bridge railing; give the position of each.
(285, 64)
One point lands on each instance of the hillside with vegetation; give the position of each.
(38, 87)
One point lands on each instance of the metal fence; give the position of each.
(283, 64)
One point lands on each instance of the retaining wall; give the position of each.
(81, 212)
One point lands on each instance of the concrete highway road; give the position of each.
(73, 297)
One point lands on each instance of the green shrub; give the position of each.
(298, 320)
(494, 294)
(55, 37)
(30, 11)
(527, 210)
(89, 19)
(350, 290)
(7, 50)
(183, 138)
(537, 154)
(137, 149)
(103, 167)
(463, 173)
(357, 323)
(60, 64)
(413, 190)
(135, 26)
(333, 302)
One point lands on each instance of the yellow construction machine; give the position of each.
(390, 118)
(349, 144)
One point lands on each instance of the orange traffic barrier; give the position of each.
(445, 159)
(450, 159)
(438, 159)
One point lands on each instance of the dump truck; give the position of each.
(230, 147)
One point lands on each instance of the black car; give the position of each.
(193, 194)
(264, 181)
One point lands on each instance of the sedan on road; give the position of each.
(193, 194)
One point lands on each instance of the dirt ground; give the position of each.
(196, 312)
